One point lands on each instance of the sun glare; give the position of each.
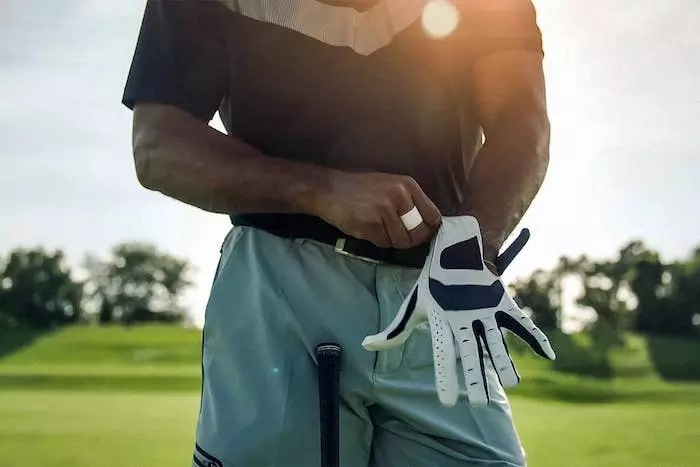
(440, 18)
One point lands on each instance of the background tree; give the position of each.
(645, 278)
(608, 291)
(540, 294)
(679, 300)
(138, 283)
(37, 290)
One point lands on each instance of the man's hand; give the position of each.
(370, 205)
(465, 304)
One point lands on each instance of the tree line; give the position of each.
(137, 283)
(634, 291)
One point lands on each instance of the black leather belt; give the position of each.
(305, 226)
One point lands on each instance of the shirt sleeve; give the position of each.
(180, 57)
(499, 25)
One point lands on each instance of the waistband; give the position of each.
(314, 228)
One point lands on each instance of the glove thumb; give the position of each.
(410, 315)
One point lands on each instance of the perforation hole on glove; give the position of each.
(439, 344)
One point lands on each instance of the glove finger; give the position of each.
(444, 358)
(516, 321)
(400, 328)
(498, 353)
(472, 355)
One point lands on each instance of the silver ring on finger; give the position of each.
(412, 219)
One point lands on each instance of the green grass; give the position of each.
(93, 397)
(144, 358)
(608, 435)
(140, 345)
(80, 429)
(101, 377)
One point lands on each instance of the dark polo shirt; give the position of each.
(403, 105)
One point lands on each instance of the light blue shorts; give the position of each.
(272, 301)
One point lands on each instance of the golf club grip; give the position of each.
(328, 358)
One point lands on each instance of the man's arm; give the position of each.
(185, 159)
(510, 167)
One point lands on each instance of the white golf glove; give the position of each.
(464, 303)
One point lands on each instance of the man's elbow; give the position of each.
(147, 142)
(143, 154)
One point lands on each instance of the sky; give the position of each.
(623, 96)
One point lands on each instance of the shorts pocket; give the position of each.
(228, 246)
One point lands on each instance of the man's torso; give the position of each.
(403, 108)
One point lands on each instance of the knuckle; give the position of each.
(385, 204)
(408, 181)
(411, 185)
(404, 184)
(379, 199)
(401, 192)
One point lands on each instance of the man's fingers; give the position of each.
(498, 352)
(415, 227)
(402, 217)
(429, 212)
(397, 232)
(420, 234)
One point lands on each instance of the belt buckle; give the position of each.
(340, 249)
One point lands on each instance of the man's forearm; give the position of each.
(185, 159)
(505, 178)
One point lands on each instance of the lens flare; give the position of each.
(440, 18)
